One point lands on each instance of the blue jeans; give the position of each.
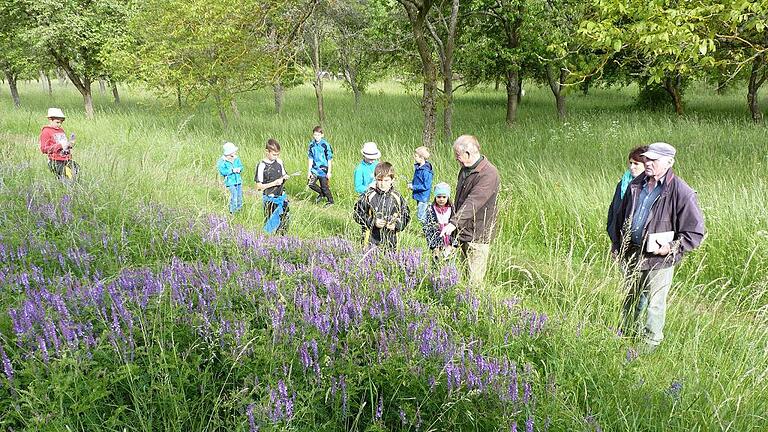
(421, 210)
(235, 197)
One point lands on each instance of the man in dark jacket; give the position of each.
(475, 211)
(658, 221)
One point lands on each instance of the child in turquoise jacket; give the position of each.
(230, 167)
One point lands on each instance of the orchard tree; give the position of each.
(562, 59)
(17, 55)
(743, 25)
(442, 25)
(361, 41)
(74, 33)
(670, 41)
(497, 30)
(417, 12)
(215, 49)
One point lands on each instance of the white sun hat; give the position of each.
(370, 150)
(55, 113)
(229, 148)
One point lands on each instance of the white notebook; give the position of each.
(657, 240)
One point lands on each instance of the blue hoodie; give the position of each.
(364, 175)
(320, 153)
(422, 182)
(226, 167)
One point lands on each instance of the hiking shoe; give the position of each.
(328, 204)
(318, 200)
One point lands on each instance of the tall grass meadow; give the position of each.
(131, 300)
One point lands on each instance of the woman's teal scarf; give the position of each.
(626, 179)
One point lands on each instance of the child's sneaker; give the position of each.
(328, 204)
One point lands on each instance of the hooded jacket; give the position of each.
(422, 182)
(51, 140)
(226, 169)
(320, 152)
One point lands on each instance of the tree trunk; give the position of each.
(88, 99)
(513, 92)
(222, 112)
(61, 76)
(11, 78)
(497, 83)
(417, 15)
(556, 80)
(585, 85)
(445, 52)
(757, 77)
(82, 83)
(673, 86)
(48, 83)
(519, 89)
(178, 95)
(448, 110)
(115, 93)
(318, 82)
(235, 109)
(279, 97)
(102, 87)
(350, 75)
(42, 79)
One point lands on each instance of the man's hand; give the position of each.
(448, 230)
(380, 223)
(663, 250)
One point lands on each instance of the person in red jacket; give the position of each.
(54, 143)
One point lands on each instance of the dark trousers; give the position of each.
(324, 190)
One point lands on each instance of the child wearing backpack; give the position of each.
(230, 167)
(381, 210)
(270, 177)
(54, 143)
(320, 157)
(437, 217)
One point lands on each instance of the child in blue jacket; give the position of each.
(364, 171)
(229, 167)
(422, 182)
(320, 156)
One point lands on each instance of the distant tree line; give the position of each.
(201, 50)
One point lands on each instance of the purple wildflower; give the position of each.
(251, 421)
(379, 408)
(529, 424)
(7, 367)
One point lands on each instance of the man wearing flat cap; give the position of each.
(658, 221)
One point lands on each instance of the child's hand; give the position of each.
(392, 225)
(236, 170)
(380, 223)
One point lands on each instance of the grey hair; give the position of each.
(467, 143)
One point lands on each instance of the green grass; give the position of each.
(557, 180)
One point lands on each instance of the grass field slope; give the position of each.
(131, 300)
